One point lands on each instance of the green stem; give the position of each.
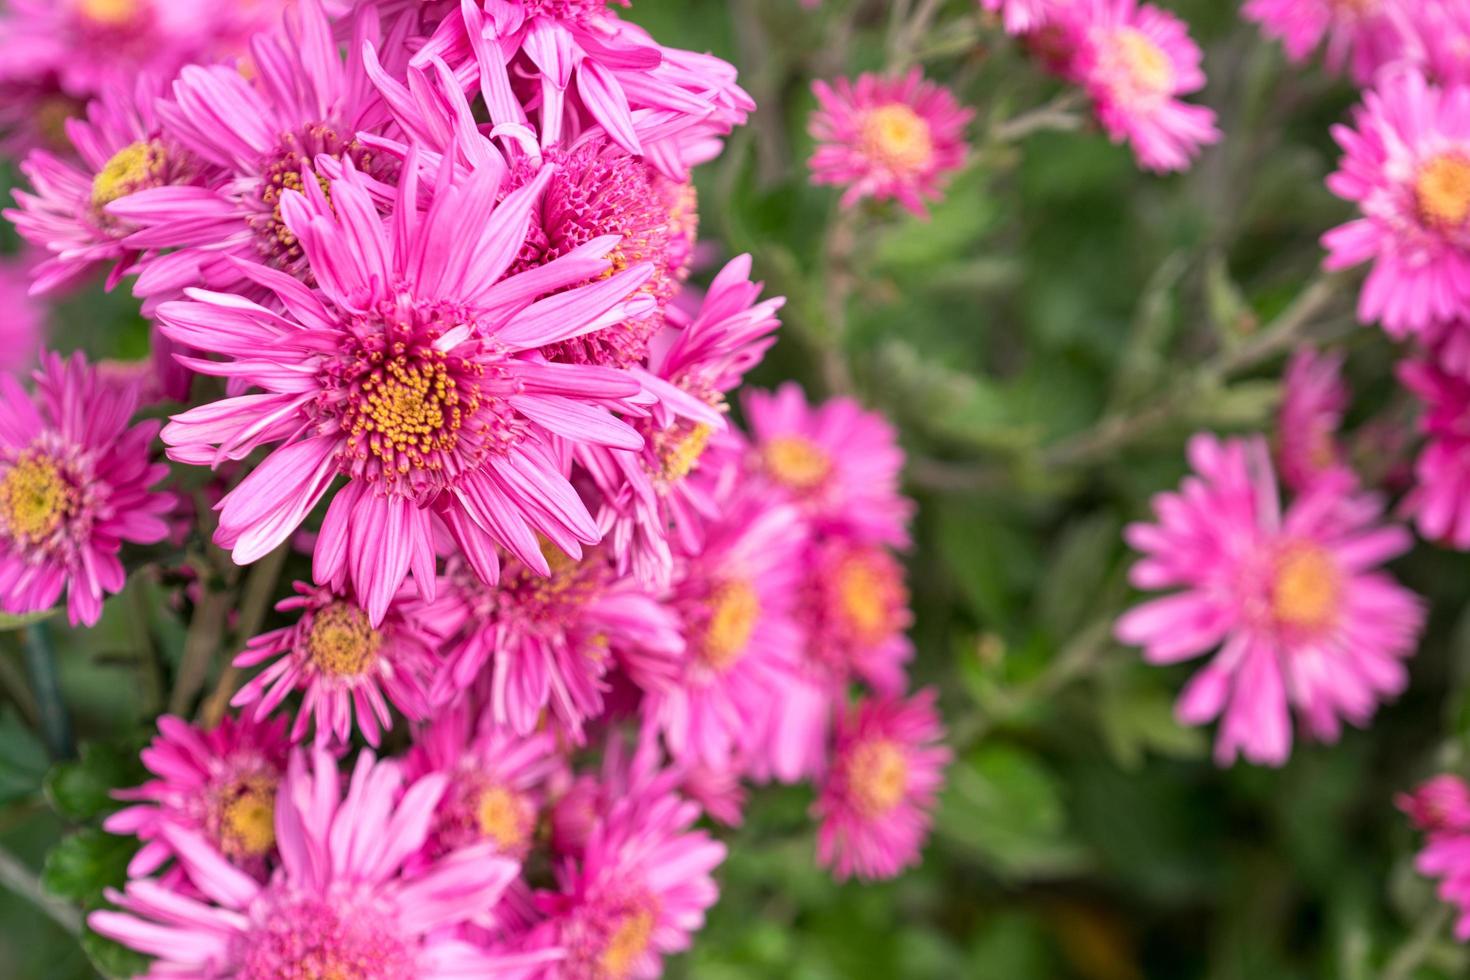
(24, 882)
(41, 665)
(255, 602)
(1416, 948)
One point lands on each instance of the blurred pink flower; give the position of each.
(23, 326)
(74, 485)
(1294, 601)
(1360, 35)
(883, 138)
(877, 799)
(1314, 398)
(1440, 500)
(1435, 34)
(1023, 16)
(1441, 808)
(1439, 805)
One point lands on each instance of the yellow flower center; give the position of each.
(877, 776)
(897, 137)
(248, 821)
(628, 943)
(109, 13)
(503, 817)
(1307, 587)
(796, 462)
(131, 169)
(342, 642)
(682, 451)
(34, 497)
(408, 410)
(1146, 64)
(733, 609)
(865, 586)
(1443, 190)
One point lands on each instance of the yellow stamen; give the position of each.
(628, 943)
(865, 586)
(342, 642)
(681, 452)
(34, 497)
(248, 822)
(734, 608)
(1146, 63)
(503, 816)
(897, 137)
(1443, 190)
(131, 169)
(1307, 587)
(108, 13)
(797, 462)
(877, 776)
(409, 411)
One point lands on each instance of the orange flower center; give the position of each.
(865, 590)
(503, 816)
(1307, 587)
(342, 642)
(733, 609)
(35, 497)
(628, 943)
(1443, 190)
(109, 13)
(797, 462)
(877, 776)
(897, 137)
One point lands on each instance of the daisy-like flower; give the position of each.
(1436, 35)
(856, 610)
(1406, 165)
(404, 372)
(887, 138)
(549, 640)
(639, 888)
(737, 602)
(841, 464)
(1314, 398)
(340, 903)
(1441, 809)
(120, 150)
(1135, 61)
(1295, 603)
(652, 502)
(218, 784)
(1360, 35)
(74, 485)
(23, 328)
(1440, 500)
(346, 665)
(876, 801)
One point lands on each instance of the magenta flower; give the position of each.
(339, 904)
(1359, 35)
(1023, 16)
(219, 785)
(551, 639)
(1294, 601)
(403, 371)
(841, 464)
(1440, 501)
(888, 139)
(877, 799)
(857, 611)
(1314, 398)
(1441, 804)
(1135, 61)
(346, 664)
(1435, 34)
(1406, 164)
(1441, 809)
(74, 485)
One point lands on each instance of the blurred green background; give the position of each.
(1045, 342)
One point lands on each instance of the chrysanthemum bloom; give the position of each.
(1441, 808)
(23, 328)
(1440, 500)
(876, 801)
(1360, 35)
(856, 610)
(340, 904)
(578, 66)
(497, 782)
(1314, 398)
(840, 463)
(1406, 164)
(1135, 61)
(737, 602)
(120, 151)
(547, 641)
(652, 504)
(403, 372)
(1295, 602)
(74, 485)
(218, 784)
(639, 889)
(346, 665)
(887, 138)
(1435, 34)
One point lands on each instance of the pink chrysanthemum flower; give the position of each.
(576, 66)
(840, 463)
(857, 611)
(340, 904)
(1435, 34)
(1023, 16)
(1441, 809)
(1359, 35)
(737, 602)
(23, 328)
(1406, 164)
(346, 665)
(652, 502)
(120, 151)
(887, 138)
(74, 485)
(497, 782)
(876, 801)
(1314, 398)
(1295, 602)
(407, 372)
(1440, 500)
(549, 640)
(218, 784)
(1135, 61)
(639, 888)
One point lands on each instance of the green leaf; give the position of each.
(1079, 564)
(112, 959)
(82, 790)
(88, 861)
(22, 759)
(9, 622)
(1136, 721)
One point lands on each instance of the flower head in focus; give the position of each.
(887, 139)
(1293, 603)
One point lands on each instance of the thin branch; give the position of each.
(46, 685)
(24, 882)
(202, 642)
(1417, 947)
(256, 599)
